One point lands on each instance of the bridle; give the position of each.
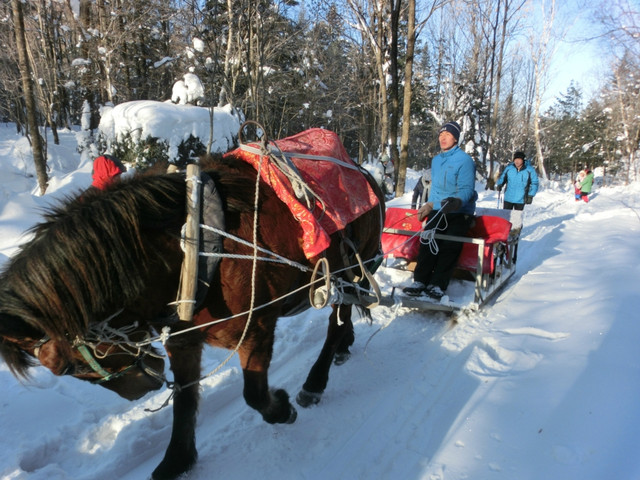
(105, 376)
(90, 350)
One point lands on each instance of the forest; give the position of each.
(383, 74)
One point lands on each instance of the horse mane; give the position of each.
(88, 258)
(90, 255)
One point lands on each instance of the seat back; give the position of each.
(492, 230)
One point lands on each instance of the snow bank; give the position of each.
(173, 123)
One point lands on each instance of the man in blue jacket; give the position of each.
(449, 210)
(522, 183)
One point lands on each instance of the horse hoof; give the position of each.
(169, 471)
(306, 399)
(341, 358)
(293, 415)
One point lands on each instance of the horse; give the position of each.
(99, 280)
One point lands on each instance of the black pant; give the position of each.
(436, 269)
(513, 206)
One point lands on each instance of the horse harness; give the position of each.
(210, 253)
(212, 224)
(85, 348)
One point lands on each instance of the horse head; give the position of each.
(91, 257)
(118, 358)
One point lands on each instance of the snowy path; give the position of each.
(531, 387)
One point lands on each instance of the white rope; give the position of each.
(277, 259)
(101, 333)
(342, 283)
(394, 314)
(301, 188)
(428, 235)
(253, 281)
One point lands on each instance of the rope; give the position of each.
(164, 336)
(277, 259)
(394, 315)
(428, 235)
(109, 334)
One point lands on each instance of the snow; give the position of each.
(172, 123)
(542, 383)
(189, 90)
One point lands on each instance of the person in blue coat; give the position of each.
(521, 182)
(449, 210)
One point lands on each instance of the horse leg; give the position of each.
(348, 337)
(339, 339)
(273, 404)
(181, 454)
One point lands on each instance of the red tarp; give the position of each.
(344, 190)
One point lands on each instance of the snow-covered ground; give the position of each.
(543, 383)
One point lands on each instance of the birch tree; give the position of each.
(543, 47)
(370, 19)
(413, 31)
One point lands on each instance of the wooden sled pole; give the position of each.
(189, 272)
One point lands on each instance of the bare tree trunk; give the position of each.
(394, 101)
(495, 78)
(541, 53)
(48, 96)
(375, 37)
(406, 106)
(36, 141)
(379, 54)
(228, 82)
(629, 143)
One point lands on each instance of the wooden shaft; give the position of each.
(189, 273)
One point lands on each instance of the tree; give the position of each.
(542, 49)
(625, 100)
(564, 139)
(412, 34)
(499, 29)
(30, 104)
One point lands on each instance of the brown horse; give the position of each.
(96, 284)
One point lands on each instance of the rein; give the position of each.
(95, 366)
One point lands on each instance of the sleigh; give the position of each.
(486, 263)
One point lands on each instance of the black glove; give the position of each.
(528, 199)
(450, 204)
(499, 188)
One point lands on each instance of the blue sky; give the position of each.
(579, 57)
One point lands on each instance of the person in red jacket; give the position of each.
(106, 169)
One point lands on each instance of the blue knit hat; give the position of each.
(453, 128)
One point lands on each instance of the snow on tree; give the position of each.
(188, 91)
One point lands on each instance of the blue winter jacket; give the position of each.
(453, 174)
(520, 183)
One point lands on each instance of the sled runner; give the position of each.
(485, 264)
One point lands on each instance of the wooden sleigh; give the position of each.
(486, 260)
